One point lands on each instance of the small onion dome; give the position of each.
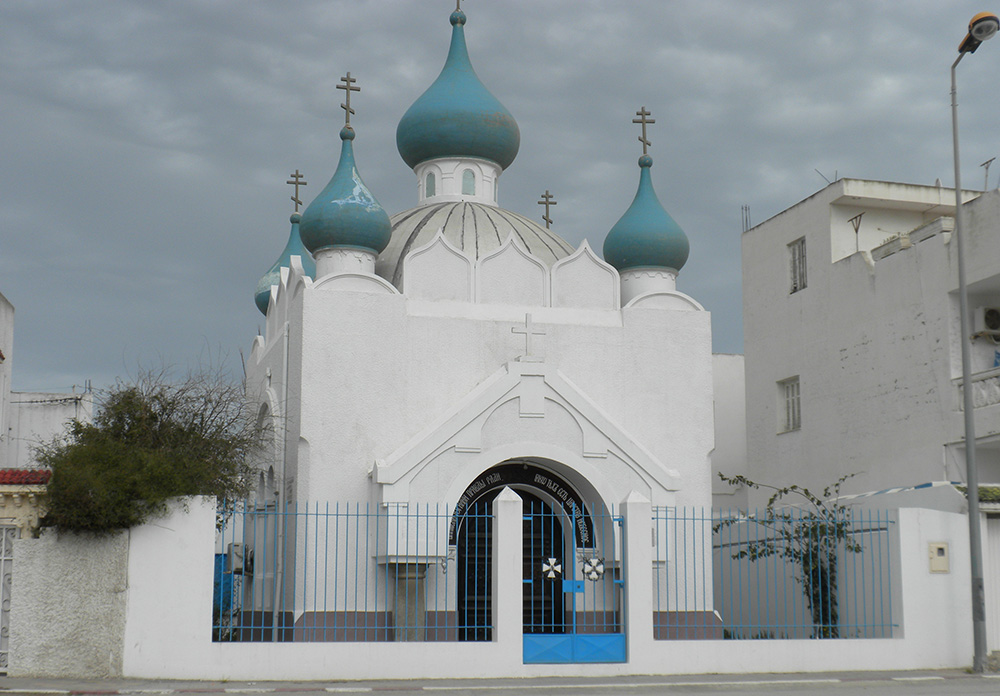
(646, 236)
(345, 213)
(273, 277)
(475, 228)
(457, 116)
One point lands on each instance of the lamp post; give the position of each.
(982, 27)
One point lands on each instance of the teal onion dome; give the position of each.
(457, 116)
(646, 236)
(345, 213)
(294, 247)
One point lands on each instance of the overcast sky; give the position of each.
(145, 145)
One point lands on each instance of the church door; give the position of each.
(544, 608)
(543, 555)
(571, 608)
(475, 571)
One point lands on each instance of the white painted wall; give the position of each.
(68, 607)
(7, 348)
(369, 371)
(730, 454)
(38, 417)
(167, 626)
(873, 339)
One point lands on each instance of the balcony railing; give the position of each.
(985, 389)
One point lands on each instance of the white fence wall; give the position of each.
(167, 630)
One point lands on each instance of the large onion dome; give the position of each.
(345, 213)
(646, 236)
(294, 247)
(457, 116)
(475, 228)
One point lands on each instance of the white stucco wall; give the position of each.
(68, 605)
(730, 454)
(167, 624)
(370, 370)
(872, 338)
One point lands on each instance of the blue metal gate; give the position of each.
(573, 589)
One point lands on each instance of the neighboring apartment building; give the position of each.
(853, 360)
(29, 419)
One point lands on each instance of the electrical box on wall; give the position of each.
(937, 552)
(234, 559)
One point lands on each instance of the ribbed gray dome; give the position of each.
(475, 228)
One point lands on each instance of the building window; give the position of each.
(468, 183)
(429, 186)
(789, 403)
(797, 263)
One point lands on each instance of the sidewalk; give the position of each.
(109, 687)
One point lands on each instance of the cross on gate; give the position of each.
(348, 87)
(296, 181)
(528, 331)
(642, 114)
(547, 200)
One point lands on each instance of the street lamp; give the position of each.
(982, 27)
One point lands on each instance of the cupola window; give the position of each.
(468, 183)
(429, 186)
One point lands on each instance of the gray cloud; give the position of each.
(146, 145)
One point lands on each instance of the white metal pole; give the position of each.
(971, 472)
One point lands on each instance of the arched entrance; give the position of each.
(542, 539)
(570, 613)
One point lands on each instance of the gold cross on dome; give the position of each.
(528, 331)
(296, 181)
(547, 200)
(642, 114)
(458, 5)
(348, 87)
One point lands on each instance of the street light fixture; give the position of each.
(982, 27)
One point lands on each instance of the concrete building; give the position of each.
(853, 357)
(853, 349)
(30, 419)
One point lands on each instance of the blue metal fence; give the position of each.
(398, 572)
(349, 572)
(774, 574)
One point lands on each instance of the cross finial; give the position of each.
(458, 5)
(547, 200)
(296, 181)
(348, 87)
(528, 331)
(642, 114)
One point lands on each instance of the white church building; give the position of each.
(455, 349)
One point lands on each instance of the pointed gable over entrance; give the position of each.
(526, 410)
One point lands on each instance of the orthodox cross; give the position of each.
(528, 331)
(296, 181)
(348, 87)
(458, 5)
(547, 200)
(642, 114)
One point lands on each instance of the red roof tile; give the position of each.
(24, 476)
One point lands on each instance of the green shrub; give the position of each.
(150, 441)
